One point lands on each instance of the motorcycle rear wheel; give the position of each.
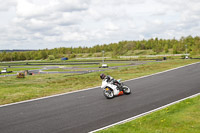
(126, 90)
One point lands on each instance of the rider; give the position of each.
(111, 80)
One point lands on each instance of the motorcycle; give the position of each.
(110, 89)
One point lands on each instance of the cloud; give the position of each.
(6, 5)
(111, 27)
(74, 5)
(53, 23)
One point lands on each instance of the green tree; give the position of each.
(166, 48)
(175, 49)
(51, 57)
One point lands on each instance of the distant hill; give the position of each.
(17, 50)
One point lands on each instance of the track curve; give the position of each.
(89, 110)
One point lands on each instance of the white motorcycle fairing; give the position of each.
(111, 86)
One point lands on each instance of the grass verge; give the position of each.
(15, 90)
(183, 117)
(21, 69)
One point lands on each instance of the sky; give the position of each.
(40, 24)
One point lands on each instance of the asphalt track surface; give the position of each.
(88, 110)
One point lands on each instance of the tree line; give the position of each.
(192, 44)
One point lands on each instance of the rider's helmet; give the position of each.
(102, 76)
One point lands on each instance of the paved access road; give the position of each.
(89, 110)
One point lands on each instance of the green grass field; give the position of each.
(183, 117)
(20, 69)
(15, 70)
(15, 90)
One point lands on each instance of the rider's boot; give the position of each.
(120, 87)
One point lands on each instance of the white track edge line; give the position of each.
(31, 100)
(143, 114)
(162, 71)
(92, 88)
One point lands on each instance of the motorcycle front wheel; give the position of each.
(126, 90)
(108, 93)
